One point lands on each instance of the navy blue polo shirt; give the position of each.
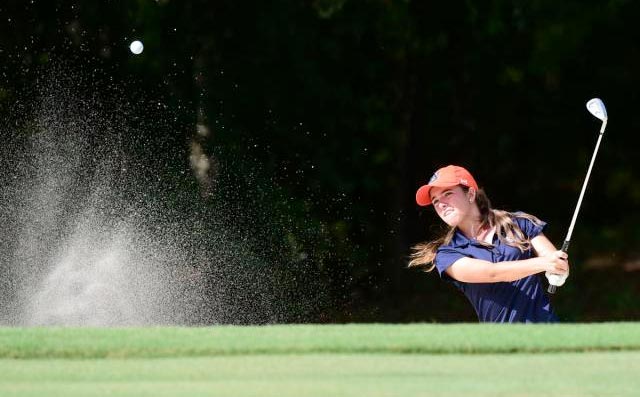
(522, 300)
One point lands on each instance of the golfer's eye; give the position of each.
(446, 194)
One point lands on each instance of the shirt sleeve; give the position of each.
(445, 257)
(529, 228)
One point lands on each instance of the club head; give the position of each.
(596, 108)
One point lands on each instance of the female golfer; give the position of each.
(492, 256)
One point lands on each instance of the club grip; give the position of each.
(565, 248)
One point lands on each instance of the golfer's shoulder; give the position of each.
(531, 225)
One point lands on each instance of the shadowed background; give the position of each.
(284, 141)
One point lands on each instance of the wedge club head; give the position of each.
(596, 107)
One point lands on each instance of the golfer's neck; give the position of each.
(470, 225)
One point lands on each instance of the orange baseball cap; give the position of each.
(449, 176)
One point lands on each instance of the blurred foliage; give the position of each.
(323, 117)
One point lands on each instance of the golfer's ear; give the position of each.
(472, 194)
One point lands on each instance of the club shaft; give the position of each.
(584, 187)
(567, 240)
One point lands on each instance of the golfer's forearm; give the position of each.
(470, 270)
(515, 270)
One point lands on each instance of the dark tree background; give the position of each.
(319, 119)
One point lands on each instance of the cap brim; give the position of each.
(422, 195)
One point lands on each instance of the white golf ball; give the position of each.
(136, 47)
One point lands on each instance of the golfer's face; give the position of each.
(451, 204)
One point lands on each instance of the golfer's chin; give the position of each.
(452, 219)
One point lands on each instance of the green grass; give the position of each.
(329, 360)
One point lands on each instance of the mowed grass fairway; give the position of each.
(324, 360)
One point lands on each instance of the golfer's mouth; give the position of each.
(447, 212)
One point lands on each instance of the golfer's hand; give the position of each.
(557, 263)
(558, 268)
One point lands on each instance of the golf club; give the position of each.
(596, 108)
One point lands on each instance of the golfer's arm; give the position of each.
(542, 246)
(470, 270)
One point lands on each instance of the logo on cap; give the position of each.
(434, 177)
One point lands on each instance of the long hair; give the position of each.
(423, 254)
